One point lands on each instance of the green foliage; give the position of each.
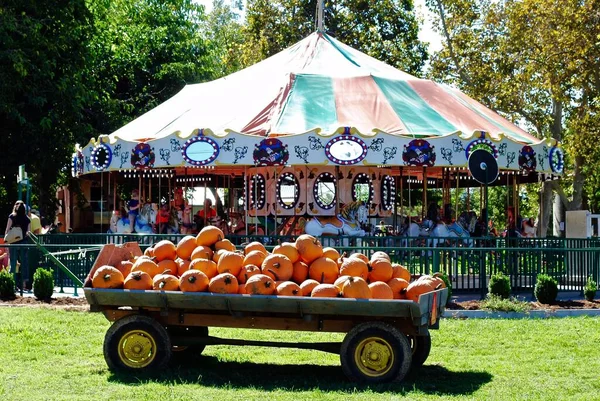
(43, 284)
(500, 304)
(499, 285)
(446, 280)
(589, 291)
(546, 289)
(7, 285)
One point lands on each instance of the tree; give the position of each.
(385, 29)
(224, 30)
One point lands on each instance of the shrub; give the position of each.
(589, 291)
(496, 303)
(43, 284)
(7, 285)
(446, 280)
(499, 285)
(546, 289)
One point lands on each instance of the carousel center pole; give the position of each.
(101, 200)
(320, 15)
(247, 197)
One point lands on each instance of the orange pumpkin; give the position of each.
(300, 273)
(398, 286)
(331, 253)
(309, 248)
(323, 270)
(217, 255)
(165, 282)
(437, 279)
(254, 258)
(164, 250)
(279, 266)
(224, 244)
(340, 281)
(354, 267)
(325, 291)
(288, 249)
(186, 246)
(107, 277)
(149, 252)
(247, 272)
(359, 256)
(289, 289)
(208, 267)
(400, 271)
(418, 287)
(146, 265)
(380, 254)
(241, 288)
(260, 284)
(202, 252)
(125, 267)
(356, 287)
(209, 235)
(168, 264)
(182, 265)
(255, 246)
(230, 262)
(307, 286)
(193, 281)
(380, 270)
(138, 281)
(224, 283)
(380, 290)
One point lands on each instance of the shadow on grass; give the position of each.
(210, 371)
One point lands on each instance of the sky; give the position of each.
(426, 33)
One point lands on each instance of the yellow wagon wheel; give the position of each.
(136, 343)
(375, 352)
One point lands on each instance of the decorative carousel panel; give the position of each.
(290, 191)
(346, 150)
(387, 193)
(101, 157)
(200, 150)
(256, 192)
(322, 187)
(360, 186)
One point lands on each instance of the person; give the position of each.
(205, 214)
(162, 219)
(186, 219)
(3, 257)
(133, 207)
(528, 229)
(36, 224)
(18, 218)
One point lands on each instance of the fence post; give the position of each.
(436, 261)
(482, 273)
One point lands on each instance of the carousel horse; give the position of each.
(463, 227)
(411, 232)
(348, 222)
(143, 222)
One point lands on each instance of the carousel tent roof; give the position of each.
(320, 83)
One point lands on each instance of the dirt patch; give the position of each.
(579, 304)
(66, 303)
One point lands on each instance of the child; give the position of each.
(162, 220)
(3, 257)
(133, 206)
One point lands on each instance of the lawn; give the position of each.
(57, 355)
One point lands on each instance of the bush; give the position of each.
(546, 289)
(448, 285)
(499, 285)
(43, 284)
(7, 285)
(589, 291)
(499, 304)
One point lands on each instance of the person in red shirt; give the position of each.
(162, 219)
(204, 216)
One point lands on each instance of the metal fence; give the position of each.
(469, 263)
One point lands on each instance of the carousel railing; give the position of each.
(469, 262)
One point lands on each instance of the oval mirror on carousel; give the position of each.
(101, 157)
(324, 191)
(200, 151)
(288, 190)
(362, 188)
(388, 192)
(256, 190)
(346, 150)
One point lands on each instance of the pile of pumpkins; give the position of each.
(211, 263)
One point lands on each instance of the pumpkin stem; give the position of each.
(137, 276)
(162, 284)
(107, 277)
(276, 265)
(192, 279)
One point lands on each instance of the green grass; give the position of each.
(497, 303)
(57, 355)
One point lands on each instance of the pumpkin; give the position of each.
(230, 262)
(300, 273)
(255, 246)
(202, 252)
(209, 235)
(247, 272)
(138, 281)
(149, 252)
(260, 284)
(107, 277)
(254, 258)
(125, 267)
(418, 287)
(206, 266)
(398, 286)
(379, 255)
(359, 256)
(309, 248)
(165, 282)
(186, 246)
(288, 249)
(217, 255)
(193, 281)
(323, 270)
(182, 266)
(380, 270)
(307, 286)
(380, 290)
(354, 267)
(224, 283)
(146, 265)
(355, 287)
(168, 264)
(224, 244)
(164, 250)
(325, 291)
(242, 288)
(331, 253)
(289, 288)
(340, 281)
(280, 266)
(437, 279)
(400, 271)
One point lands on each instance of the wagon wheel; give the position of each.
(420, 347)
(136, 342)
(183, 331)
(375, 352)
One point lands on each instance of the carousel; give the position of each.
(319, 138)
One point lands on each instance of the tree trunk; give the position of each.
(578, 181)
(558, 213)
(545, 209)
